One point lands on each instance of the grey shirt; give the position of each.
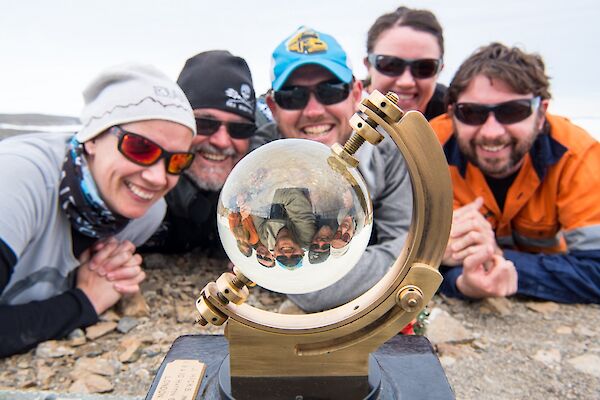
(386, 175)
(34, 226)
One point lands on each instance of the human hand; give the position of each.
(498, 279)
(99, 290)
(470, 234)
(117, 262)
(109, 254)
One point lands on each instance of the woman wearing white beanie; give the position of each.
(73, 208)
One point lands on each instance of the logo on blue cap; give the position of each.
(307, 42)
(308, 46)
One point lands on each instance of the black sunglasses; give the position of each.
(264, 258)
(141, 151)
(421, 68)
(291, 261)
(316, 246)
(327, 93)
(509, 112)
(238, 130)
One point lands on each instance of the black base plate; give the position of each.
(408, 366)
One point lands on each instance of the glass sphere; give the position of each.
(293, 217)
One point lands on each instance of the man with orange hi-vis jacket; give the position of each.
(526, 200)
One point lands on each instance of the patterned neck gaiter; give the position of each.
(80, 200)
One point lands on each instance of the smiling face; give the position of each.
(127, 188)
(264, 256)
(405, 42)
(344, 233)
(286, 245)
(497, 149)
(327, 124)
(216, 154)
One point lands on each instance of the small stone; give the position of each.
(44, 376)
(548, 357)
(443, 328)
(92, 350)
(78, 387)
(447, 361)
(134, 306)
(184, 313)
(100, 329)
(545, 307)
(152, 351)
(564, 330)
(448, 349)
(27, 383)
(23, 364)
(99, 366)
(109, 315)
(53, 349)
(91, 383)
(142, 374)
(129, 349)
(584, 331)
(266, 299)
(587, 363)
(77, 338)
(126, 324)
(288, 307)
(157, 336)
(498, 305)
(480, 344)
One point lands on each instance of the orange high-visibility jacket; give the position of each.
(552, 207)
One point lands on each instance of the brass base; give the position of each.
(305, 387)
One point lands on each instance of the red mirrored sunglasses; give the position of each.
(142, 151)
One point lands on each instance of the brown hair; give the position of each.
(523, 72)
(419, 20)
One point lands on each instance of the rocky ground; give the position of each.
(497, 349)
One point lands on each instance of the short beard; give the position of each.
(211, 185)
(210, 180)
(518, 152)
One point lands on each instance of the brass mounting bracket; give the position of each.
(337, 342)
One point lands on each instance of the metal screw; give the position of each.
(392, 96)
(352, 145)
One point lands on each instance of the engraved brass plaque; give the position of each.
(180, 380)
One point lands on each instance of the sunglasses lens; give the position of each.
(179, 162)
(332, 93)
(395, 66)
(207, 126)
(293, 98)
(315, 246)
(289, 261)
(509, 112)
(389, 65)
(471, 114)
(240, 130)
(513, 111)
(423, 69)
(139, 149)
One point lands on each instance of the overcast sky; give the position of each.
(51, 49)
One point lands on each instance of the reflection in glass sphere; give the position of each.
(293, 218)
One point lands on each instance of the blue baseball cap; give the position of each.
(308, 46)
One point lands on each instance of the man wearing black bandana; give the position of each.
(74, 207)
(219, 88)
